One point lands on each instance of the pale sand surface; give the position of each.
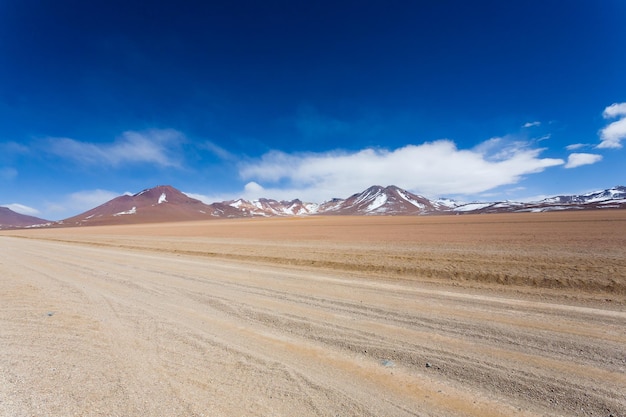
(331, 316)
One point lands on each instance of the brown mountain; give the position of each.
(166, 204)
(159, 204)
(10, 219)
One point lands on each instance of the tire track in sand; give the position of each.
(227, 337)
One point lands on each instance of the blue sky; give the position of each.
(480, 100)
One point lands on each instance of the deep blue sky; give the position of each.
(284, 99)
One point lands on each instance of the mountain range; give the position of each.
(165, 203)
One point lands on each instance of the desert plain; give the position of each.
(470, 315)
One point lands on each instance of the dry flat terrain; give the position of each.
(492, 315)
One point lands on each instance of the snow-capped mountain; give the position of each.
(597, 197)
(267, 207)
(610, 198)
(11, 219)
(378, 200)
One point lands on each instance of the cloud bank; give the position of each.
(434, 169)
(155, 146)
(613, 134)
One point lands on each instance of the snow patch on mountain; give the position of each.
(379, 201)
(162, 199)
(447, 203)
(131, 211)
(471, 207)
(406, 197)
(236, 204)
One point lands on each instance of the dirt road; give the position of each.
(117, 331)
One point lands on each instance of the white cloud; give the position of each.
(22, 209)
(156, 146)
(500, 148)
(578, 159)
(253, 190)
(575, 146)
(434, 168)
(531, 124)
(614, 110)
(613, 134)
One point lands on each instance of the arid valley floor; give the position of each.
(470, 315)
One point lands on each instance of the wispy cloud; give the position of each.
(578, 159)
(155, 146)
(13, 148)
(501, 148)
(575, 146)
(612, 135)
(22, 209)
(531, 124)
(433, 168)
(217, 150)
(78, 202)
(8, 173)
(90, 198)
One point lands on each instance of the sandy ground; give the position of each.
(498, 315)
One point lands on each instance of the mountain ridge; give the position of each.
(164, 203)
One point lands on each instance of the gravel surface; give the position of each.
(117, 324)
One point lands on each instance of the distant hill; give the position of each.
(10, 219)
